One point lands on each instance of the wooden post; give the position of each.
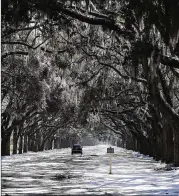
(110, 151)
(110, 168)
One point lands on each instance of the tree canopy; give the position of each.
(95, 65)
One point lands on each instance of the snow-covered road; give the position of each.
(57, 172)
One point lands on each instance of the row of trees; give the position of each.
(35, 98)
(110, 67)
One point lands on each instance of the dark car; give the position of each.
(76, 149)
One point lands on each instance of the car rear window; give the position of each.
(76, 146)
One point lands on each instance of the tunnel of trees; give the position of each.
(108, 67)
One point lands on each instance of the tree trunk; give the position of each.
(56, 143)
(150, 148)
(59, 143)
(48, 145)
(133, 142)
(5, 145)
(29, 143)
(15, 140)
(129, 142)
(20, 143)
(39, 144)
(50, 141)
(154, 147)
(38, 140)
(42, 143)
(168, 144)
(143, 145)
(41, 148)
(176, 148)
(159, 147)
(25, 143)
(136, 144)
(34, 143)
(33, 146)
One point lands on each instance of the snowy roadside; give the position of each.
(57, 172)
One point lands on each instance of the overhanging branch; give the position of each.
(170, 61)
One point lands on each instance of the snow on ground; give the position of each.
(57, 172)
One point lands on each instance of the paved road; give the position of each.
(50, 172)
(57, 172)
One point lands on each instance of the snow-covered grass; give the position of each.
(60, 173)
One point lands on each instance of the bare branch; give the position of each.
(14, 53)
(10, 31)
